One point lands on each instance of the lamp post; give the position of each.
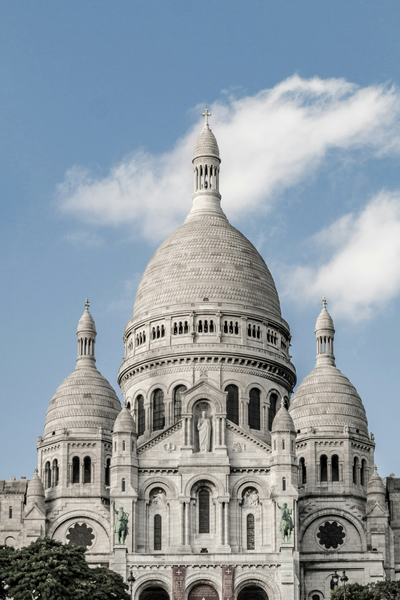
(344, 579)
(334, 580)
(131, 581)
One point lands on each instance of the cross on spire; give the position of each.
(87, 304)
(206, 114)
(324, 302)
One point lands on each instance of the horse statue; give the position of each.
(286, 525)
(121, 524)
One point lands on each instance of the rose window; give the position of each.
(80, 535)
(331, 535)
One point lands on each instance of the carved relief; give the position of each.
(251, 497)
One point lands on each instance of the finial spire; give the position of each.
(324, 302)
(87, 304)
(206, 114)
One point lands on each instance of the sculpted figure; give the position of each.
(286, 525)
(204, 428)
(251, 498)
(158, 497)
(121, 524)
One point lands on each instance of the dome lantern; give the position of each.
(86, 334)
(206, 161)
(325, 334)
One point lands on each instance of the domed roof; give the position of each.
(35, 487)
(375, 485)
(85, 400)
(86, 322)
(124, 423)
(206, 144)
(206, 258)
(325, 399)
(282, 421)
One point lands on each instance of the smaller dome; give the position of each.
(283, 421)
(375, 486)
(206, 144)
(124, 422)
(86, 322)
(35, 486)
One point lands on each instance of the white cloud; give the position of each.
(363, 271)
(268, 142)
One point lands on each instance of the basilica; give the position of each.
(212, 481)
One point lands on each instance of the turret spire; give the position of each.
(325, 335)
(206, 114)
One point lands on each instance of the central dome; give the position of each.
(206, 258)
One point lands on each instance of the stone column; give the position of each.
(226, 528)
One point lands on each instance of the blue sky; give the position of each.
(100, 106)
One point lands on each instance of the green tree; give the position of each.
(49, 570)
(5, 557)
(382, 590)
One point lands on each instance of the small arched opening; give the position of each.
(87, 470)
(303, 471)
(335, 467)
(252, 592)
(232, 403)
(273, 399)
(158, 410)
(254, 409)
(178, 402)
(323, 462)
(75, 469)
(154, 593)
(141, 415)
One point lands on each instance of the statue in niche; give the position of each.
(158, 498)
(251, 498)
(204, 429)
(286, 525)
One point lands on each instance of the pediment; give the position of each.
(203, 389)
(168, 441)
(34, 513)
(241, 442)
(377, 510)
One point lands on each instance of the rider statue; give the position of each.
(121, 524)
(286, 525)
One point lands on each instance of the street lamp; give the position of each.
(344, 579)
(334, 580)
(131, 581)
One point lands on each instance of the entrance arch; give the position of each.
(203, 591)
(252, 592)
(154, 593)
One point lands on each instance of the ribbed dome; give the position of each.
(282, 421)
(375, 486)
(206, 144)
(327, 401)
(35, 487)
(324, 322)
(206, 258)
(86, 322)
(124, 423)
(85, 400)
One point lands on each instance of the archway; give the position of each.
(252, 592)
(203, 591)
(154, 593)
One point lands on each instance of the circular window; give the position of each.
(331, 535)
(80, 534)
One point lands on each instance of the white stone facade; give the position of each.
(208, 452)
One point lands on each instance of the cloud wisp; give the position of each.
(361, 273)
(269, 142)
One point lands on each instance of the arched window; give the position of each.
(236, 328)
(315, 597)
(204, 511)
(47, 475)
(250, 532)
(141, 415)
(211, 326)
(10, 512)
(303, 471)
(273, 399)
(158, 410)
(75, 469)
(355, 469)
(363, 471)
(178, 402)
(283, 484)
(254, 409)
(123, 446)
(87, 470)
(232, 403)
(225, 326)
(157, 532)
(55, 472)
(335, 467)
(323, 461)
(283, 444)
(200, 327)
(123, 485)
(107, 472)
(186, 328)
